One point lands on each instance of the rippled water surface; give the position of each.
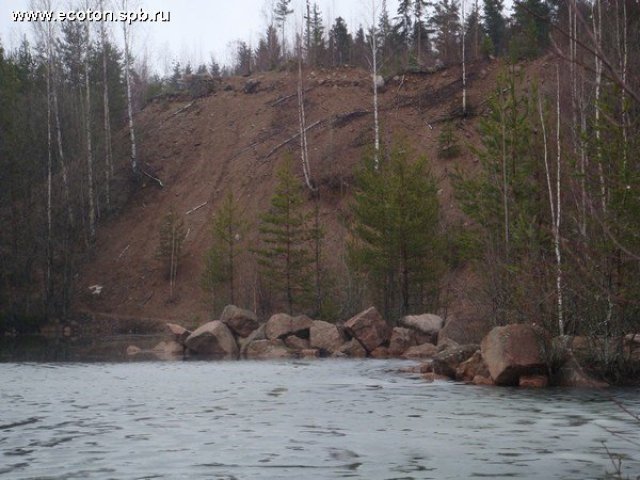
(298, 420)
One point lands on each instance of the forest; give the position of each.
(551, 211)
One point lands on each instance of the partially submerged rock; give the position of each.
(352, 348)
(267, 350)
(513, 351)
(325, 336)
(179, 333)
(427, 324)
(401, 340)
(446, 362)
(471, 368)
(426, 350)
(213, 339)
(369, 328)
(282, 325)
(240, 321)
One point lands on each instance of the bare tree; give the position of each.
(373, 62)
(87, 126)
(127, 75)
(108, 157)
(304, 149)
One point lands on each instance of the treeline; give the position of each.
(67, 159)
(419, 35)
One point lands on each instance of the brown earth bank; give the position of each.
(513, 355)
(232, 141)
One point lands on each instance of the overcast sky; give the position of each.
(198, 27)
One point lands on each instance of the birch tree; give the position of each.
(108, 156)
(126, 30)
(464, 66)
(373, 62)
(87, 126)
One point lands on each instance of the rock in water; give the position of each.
(282, 325)
(369, 328)
(511, 352)
(325, 336)
(180, 334)
(241, 322)
(213, 339)
(427, 323)
(267, 350)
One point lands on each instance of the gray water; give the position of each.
(299, 420)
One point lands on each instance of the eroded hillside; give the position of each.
(232, 141)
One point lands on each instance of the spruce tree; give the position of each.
(494, 24)
(285, 259)
(228, 227)
(396, 239)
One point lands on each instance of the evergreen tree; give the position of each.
(396, 240)
(228, 227)
(446, 25)
(285, 259)
(280, 13)
(494, 24)
(342, 42)
(530, 30)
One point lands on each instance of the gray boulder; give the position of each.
(369, 328)
(325, 336)
(426, 350)
(213, 339)
(428, 323)
(241, 322)
(513, 351)
(282, 325)
(267, 350)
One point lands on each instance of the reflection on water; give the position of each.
(291, 420)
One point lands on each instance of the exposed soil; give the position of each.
(232, 141)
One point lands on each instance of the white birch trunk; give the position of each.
(597, 32)
(304, 150)
(87, 126)
(374, 73)
(127, 75)
(108, 157)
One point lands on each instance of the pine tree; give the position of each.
(284, 258)
(494, 24)
(531, 26)
(280, 13)
(342, 42)
(227, 227)
(396, 240)
(446, 25)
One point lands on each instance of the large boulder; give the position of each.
(257, 334)
(179, 333)
(571, 374)
(427, 324)
(213, 339)
(401, 340)
(267, 350)
(471, 368)
(513, 351)
(446, 362)
(282, 325)
(463, 330)
(352, 348)
(325, 336)
(426, 350)
(241, 322)
(369, 328)
(296, 343)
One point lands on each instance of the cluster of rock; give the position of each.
(513, 355)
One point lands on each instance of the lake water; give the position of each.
(306, 420)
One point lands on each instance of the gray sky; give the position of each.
(197, 27)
